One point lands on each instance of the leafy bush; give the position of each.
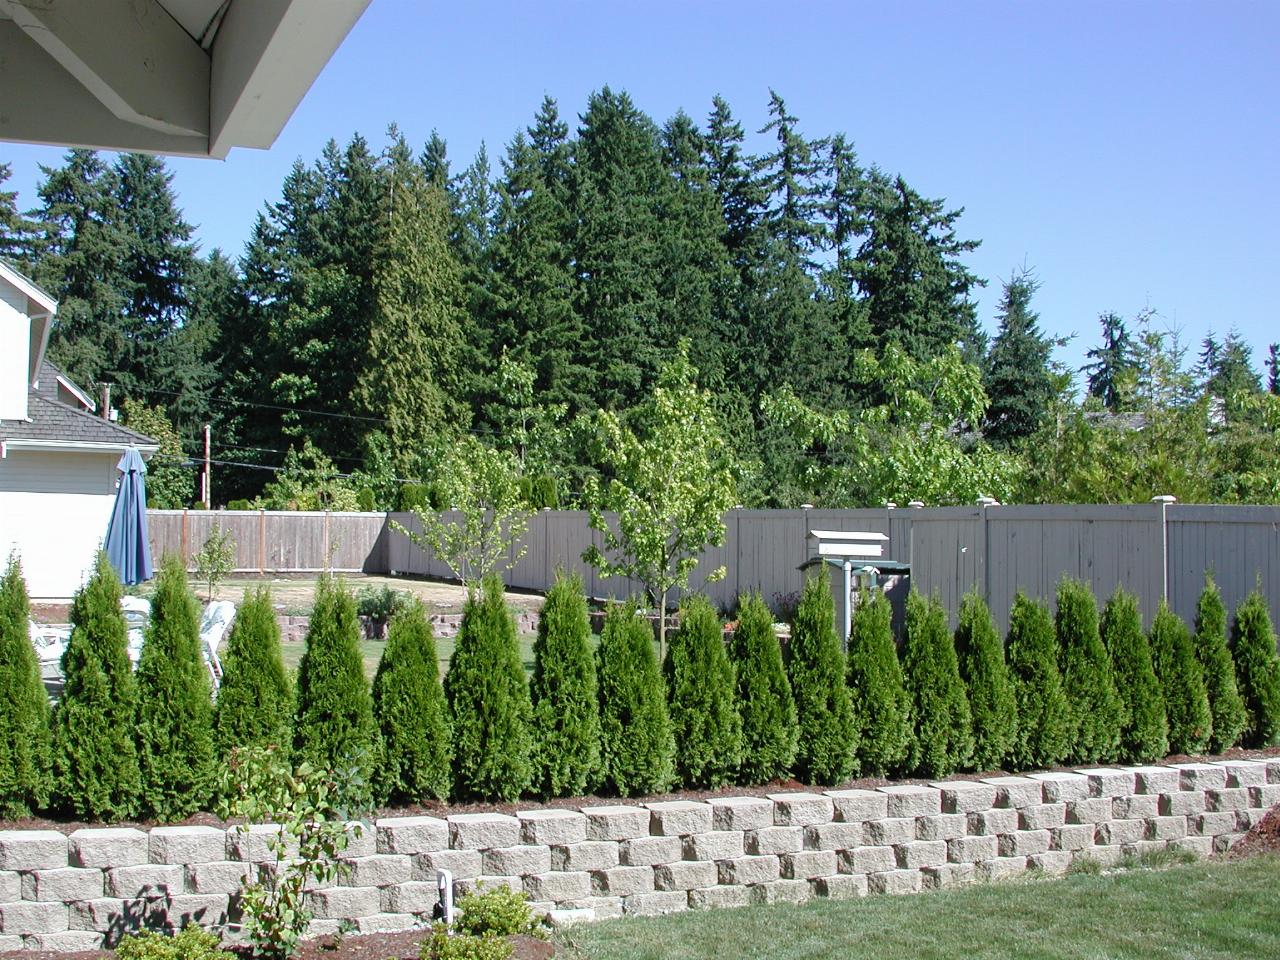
(409, 705)
(379, 604)
(496, 911)
(1032, 653)
(190, 943)
(489, 701)
(175, 714)
(566, 710)
(637, 747)
(824, 709)
(943, 725)
(765, 704)
(1144, 731)
(254, 700)
(700, 693)
(239, 505)
(1185, 701)
(980, 655)
(1253, 646)
(1094, 704)
(25, 746)
(882, 709)
(443, 945)
(1225, 703)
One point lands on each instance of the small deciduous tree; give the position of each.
(255, 701)
(1185, 701)
(942, 740)
(882, 708)
(828, 744)
(1094, 734)
(1144, 731)
(980, 655)
(1032, 652)
(700, 692)
(1253, 647)
(1225, 703)
(215, 559)
(25, 758)
(765, 703)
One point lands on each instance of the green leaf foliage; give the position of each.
(566, 712)
(255, 701)
(25, 745)
(333, 726)
(1225, 702)
(827, 748)
(1095, 706)
(700, 691)
(1144, 731)
(95, 760)
(765, 703)
(489, 701)
(637, 745)
(1032, 652)
(942, 723)
(1253, 646)
(413, 717)
(1185, 701)
(980, 655)
(881, 705)
(175, 712)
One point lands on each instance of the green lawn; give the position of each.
(1202, 911)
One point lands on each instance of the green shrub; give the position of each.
(828, 739)
(95, 760)
(882, 709)
(1144, 731)
(254, 700)
(942, 740)
(1094, 705)
(409, 705)
(175, 713)
(365, 500)
(980, 655)
(379, 604)
(190, 943)
(496, 912)
(637, 747)
(765, 704)
(1225, 703)
(413, 496)
(489, 701)
(239, 505)
(1185, 701)
(333, 727)
(443, 945)
(566, 710)
(1032, 653)
(544, 494)
(1253, 646)
(700, 696)
(26, 760)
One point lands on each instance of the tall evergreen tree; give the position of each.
(1273, 369)
(980, 655)
(17, 233)
(25, 746)
(765, 703)
(700, 691)
(1185, 701)
(1225, 704)
(1144, 732)
(1096, 708)
(1043, 711)
(881, 705)
(255, 702)
(1114, 363)
(1018, 379)
(942, 740)
(1253, 647)
(827, 746)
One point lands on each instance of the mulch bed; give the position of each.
(1263, 838)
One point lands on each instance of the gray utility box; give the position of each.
(855, 562)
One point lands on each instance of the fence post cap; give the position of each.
(1164, 498)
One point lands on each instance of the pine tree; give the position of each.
(333, 726)
(1185, 701)
(1253, 647)
(175, 713)
(700, 691)
(1096, 709)
(765, 703)
(489, 701)
(980, 655)
(942, 740)
(1144, 732)
(1043, 711)
(409, 706)
(828, 737)
(1018, 379)
(17, 233)
(881, 705)
(1273, 369)
(255, 702)
(637, 744)
(1114, 363)
(1225, 703)
(25, 745)
(565, 704)
(95, 760)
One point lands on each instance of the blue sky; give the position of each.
(1127, 150)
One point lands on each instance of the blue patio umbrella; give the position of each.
(127, 547)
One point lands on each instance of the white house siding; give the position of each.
(15, 330)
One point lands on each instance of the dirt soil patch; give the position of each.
(1263, 838)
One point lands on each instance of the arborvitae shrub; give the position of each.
(1032, 654)
(881, 707)
(1225, 703)
(25, 757)
(700, 696)
(764, 696)
(1144, 732)
(333, 727)
(566, 712)
(175, 712)
(980, 655)
(943, 726)
(489, 701)
(95, 760)
(416, 763)
(1253, 646)
(255, 702)
(1185, 702)
(1095, 708)
(637, 748)
(413, 496)
(826, 750)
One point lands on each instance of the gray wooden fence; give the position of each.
(1153, 550)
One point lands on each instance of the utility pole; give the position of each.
(208, 476)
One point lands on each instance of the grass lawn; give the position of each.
(1203, 910)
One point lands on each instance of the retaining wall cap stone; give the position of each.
(1016, 791)
(912, 800)
(802, 809)
(109, 847)
(477, 831)
(32, 849)
(740, 813)
(674, 818)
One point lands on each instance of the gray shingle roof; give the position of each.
(51, 420)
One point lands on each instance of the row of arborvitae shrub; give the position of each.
(1063, 688)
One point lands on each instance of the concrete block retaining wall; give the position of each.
(78, 891)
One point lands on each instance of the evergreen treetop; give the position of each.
(980, 656)
(1087, 680)
(1185, 701)
(255, 702)
(881, 704)
(1043, 712)
(700, 693)
(768, 710)
(1225, 704)
(1253, 647)
(942, 723)
(25, 746)
(1144, 729)
(827, 746)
